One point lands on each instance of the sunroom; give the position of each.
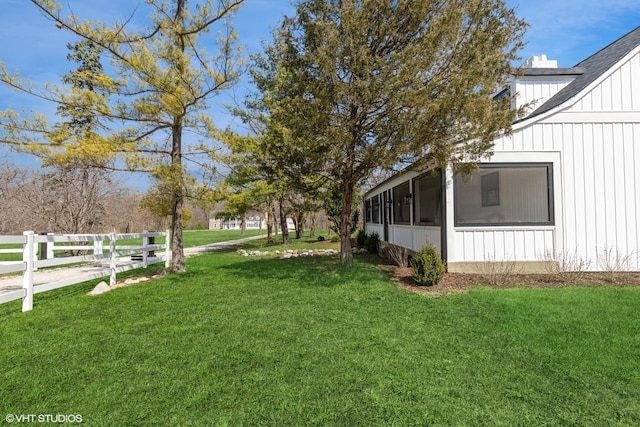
(500, 212)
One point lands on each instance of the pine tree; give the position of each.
(352, 87)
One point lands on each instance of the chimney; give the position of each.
(540, 62)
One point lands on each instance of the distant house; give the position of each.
(255, 222)
(565, 183)
(252, 223)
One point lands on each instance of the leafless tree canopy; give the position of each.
(67, 201)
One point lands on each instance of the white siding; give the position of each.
(415, 237)
(598, 141)
(537, 89)
(503, 244)
(513, 243)
(594, 146)
(619, 91)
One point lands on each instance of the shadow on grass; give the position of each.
(309, 271)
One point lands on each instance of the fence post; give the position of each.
(112, 258)
(167, 249)
(43, 248)
(145, 252)
(28, 256)
(50, 253)
(98, 247)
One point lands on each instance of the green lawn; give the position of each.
(205, 237)
(257, 341)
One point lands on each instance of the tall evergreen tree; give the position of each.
(353, 86)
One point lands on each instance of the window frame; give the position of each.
(514, 165)
(368, 205)
(375, 200)
(402, 202)
(416, 216)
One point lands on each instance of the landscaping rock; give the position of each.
(100, 288)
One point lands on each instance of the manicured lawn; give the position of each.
(257, 341)
(205, 237)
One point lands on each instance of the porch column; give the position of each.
(448, 239)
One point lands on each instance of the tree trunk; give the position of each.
(300, 225)
(273, 216)
(283, 222)
(243, 225)
(312, 224)
(346, 256)
(177, 173)
(177, 247)
(269, 221)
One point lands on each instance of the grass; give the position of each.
(204, 237)
(255, 341)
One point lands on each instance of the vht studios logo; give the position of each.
(43, 418)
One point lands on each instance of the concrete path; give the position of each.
(14, 282)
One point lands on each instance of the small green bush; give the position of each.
(372, 243)
(361, 237)
(320, 238)
(426, 266)
(335, 239)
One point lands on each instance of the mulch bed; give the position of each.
(454, 283)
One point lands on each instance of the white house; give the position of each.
(251, 223)
(255, 222)
(566, 183)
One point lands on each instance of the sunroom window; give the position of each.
(427, 192)
(401, 204)
(505, 194)
(367, 210)
(375, 209)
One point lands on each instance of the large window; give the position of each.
(375, 209)
(401, 204)
(505, 194)
(427, 193)
(367, 210)
(372, 209)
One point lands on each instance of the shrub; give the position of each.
(361, 237)
(320, 238)
(426, 266)
(372, 243)
(335, 239)
(398, 254)
(496, 272)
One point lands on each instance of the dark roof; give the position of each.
(573, 71)
(593, 67)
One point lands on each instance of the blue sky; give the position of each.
(566, 30)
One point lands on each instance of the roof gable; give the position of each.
(593, 67)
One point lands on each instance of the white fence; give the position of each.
(45, 246)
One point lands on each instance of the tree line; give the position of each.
(346, 89)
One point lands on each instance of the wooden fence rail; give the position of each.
(38, 252)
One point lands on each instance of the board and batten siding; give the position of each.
(415, 237)
(503, 243)
(597, 139)
(597, 172)
(592, 142)
(618, 92)
(537, 90)
(508, 242)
